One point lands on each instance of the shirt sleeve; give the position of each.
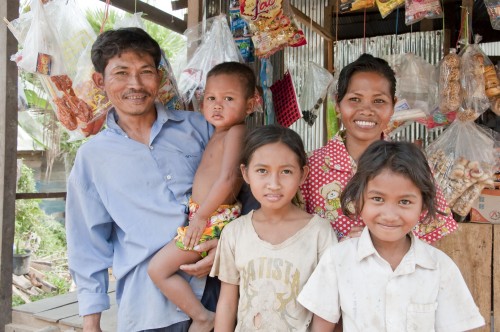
(320, 294)
(90, 250)
(456, 310)
(442, 225)
(224, 266)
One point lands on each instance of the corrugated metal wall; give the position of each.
(428, 45)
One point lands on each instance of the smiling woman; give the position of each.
(365, 100)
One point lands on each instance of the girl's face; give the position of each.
(392, 207)
(366, 107)
(274, 175)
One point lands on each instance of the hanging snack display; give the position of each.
(313, 93)
(386, 7)
(450, 95)
(493, 9)
(353, 5)
(272, 25)
(285, 102)
(460, 168)
(417, 10)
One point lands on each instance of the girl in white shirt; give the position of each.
(387, 279)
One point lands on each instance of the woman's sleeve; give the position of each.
(443, 224)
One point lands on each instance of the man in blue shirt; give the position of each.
(129, 188)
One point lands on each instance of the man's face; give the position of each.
(131, 82)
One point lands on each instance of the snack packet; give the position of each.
(272, 25)
(417, 10)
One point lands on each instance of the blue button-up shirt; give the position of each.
(125, 201)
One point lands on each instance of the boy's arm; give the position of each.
(227, 308)
(321, 325)
(228, 179)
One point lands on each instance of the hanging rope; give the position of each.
(106, 14)
(364, 31)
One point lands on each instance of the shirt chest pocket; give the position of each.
(421, 317)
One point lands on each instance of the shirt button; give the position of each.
(168, 177)
(336, 166)
(151, 147)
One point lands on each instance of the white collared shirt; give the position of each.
(426, 292)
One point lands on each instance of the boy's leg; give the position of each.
(162, 270)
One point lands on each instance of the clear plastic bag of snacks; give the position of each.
(493, 9)
(417, 10)
(450, 93)
(459, 166)
(475, 64)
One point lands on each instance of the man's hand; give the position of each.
(202, 267)
(92, 323)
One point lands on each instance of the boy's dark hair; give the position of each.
(239, 69)
(399, 157)
(365, 63)
(114, 42)
(270, 134)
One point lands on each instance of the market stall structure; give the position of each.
(333, 40)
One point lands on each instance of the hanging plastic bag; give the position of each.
(416, 83)
(417, 10)
(40, 53)
(459, 166)
(450, 93)
(353, 5)
(313, 93)
(273, 26)
(493, 9)
(386, 7)
(216, 46)
(472, 79)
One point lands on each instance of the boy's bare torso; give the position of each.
(210, 169)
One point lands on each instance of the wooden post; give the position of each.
(8, 156)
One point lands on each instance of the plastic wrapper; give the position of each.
(417, 10)
(474, 64)
(493, 9)
(40, 53)
(353, 5)
(386, 7)
(332, 118)
(216, 46)
(450, 94)
(459, 166)
(416, 83)
(400, 119)
(313, 93)
(272, 24)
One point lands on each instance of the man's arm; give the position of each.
(92, 323)
(90, 249)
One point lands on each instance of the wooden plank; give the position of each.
(108, 320)
(179, 4)
(8, 156)
(152, 14)
(41, 195)
(470, 247)
(56, 301)
(496, 277)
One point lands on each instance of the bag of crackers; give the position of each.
(478, 80)
(463, 162)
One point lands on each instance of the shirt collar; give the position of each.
(163, 115)
(418, 254)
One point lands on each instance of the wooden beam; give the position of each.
(152, 14)
(179, 4)
(194, 13)
(309, 22)
(8, 157)
(41, 195)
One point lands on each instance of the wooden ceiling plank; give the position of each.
(179, 4)
(152, 14)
